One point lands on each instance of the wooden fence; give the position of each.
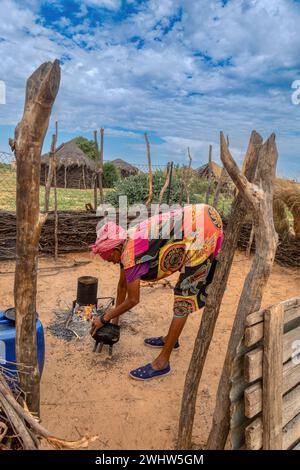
(265, 391)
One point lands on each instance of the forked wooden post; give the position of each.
(214, 300)
(272, 378)
(259, 200)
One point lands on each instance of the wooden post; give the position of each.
(259, 200)
(170, 183)
(187, 177)
(41, 91)
(209, 174)
(149, 172)
(166, 184)
(100, 176)
(50, 176)
(219, 187)
(83, 177)
(55, 196)
(272, 378)
(213, 303)
(96, 181)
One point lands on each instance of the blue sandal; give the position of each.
(147, 372)
(158, 342)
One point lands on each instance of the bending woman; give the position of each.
(186, 240)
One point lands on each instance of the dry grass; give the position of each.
(68, 199)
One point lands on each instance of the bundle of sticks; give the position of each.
(288, 250)
(19, 429)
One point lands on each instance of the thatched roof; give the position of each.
(125, 168)
(204, 170)
(68, 155)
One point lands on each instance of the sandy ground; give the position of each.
(82, 392)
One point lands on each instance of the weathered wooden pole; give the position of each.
(170, 183)
(150, 196)
(41, 91)
(209, 174)
(259, 200)
(214, 300)
(55, 137)
(185, 176)
(49, 177)
(100, 176)
(165, 186)
(96, 181)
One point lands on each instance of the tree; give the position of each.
(111, 174)
(87, 146)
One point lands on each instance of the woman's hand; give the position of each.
(96, 325)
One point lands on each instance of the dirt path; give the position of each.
(86, 393)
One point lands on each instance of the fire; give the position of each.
(85, 312)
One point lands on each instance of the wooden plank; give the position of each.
(291, 405)
(253, 359)
(254, 333)
(272, 378)
(253, 435)
(253, 400)
(291, 307)
(291, 423)
(253, 365)
(291, 432)
(253, 394)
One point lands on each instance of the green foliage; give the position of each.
(111, 175)
(87, 146)
(136, 189)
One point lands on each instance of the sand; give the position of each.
(85, 393)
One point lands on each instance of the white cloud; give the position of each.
(109, 4)
(162, 86)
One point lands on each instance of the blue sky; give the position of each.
(181, 70)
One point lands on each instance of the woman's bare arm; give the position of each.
(122, 288)
(132, 299)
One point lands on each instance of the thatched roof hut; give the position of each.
(74, 168)
(217, 174)
(203, 171)
(125, 168)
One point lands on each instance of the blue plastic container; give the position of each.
(8, 343)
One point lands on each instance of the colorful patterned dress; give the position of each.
(186, 240)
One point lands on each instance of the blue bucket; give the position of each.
(8, 343)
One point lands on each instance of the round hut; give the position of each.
(73, 168)
(125, 168)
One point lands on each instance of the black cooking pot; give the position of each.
(108, 334)
(87, 287)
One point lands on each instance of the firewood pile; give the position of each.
(19, 429)
(77, 231)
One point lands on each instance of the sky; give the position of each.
(182, 70)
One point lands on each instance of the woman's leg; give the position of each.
(174, 332)
(183, 306)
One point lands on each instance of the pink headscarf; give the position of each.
(108, 238)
